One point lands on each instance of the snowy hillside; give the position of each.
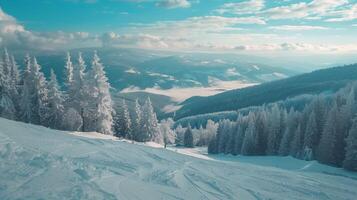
(36, 162)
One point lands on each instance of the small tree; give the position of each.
(188, 138)
(180, 134)
(167, 132)
(55, 103)
(122, 122)
(350, 161)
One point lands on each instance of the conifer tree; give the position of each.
(350, 161)
(327, 146)
(101, 104)
(250, 142)
(7, 106)
(122, 122)
(27, 90)
(274, 130)
(40, 95)
(78, 94)
(310, 134)
(188, 138)
(55, 103)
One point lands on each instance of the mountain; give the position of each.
(311, 83)
(146, 69)
(40, 163)
(161, 103)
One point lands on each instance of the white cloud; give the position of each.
(245, 7)
(174, 4)
(196, 25)
(298, 28)
(298, 47)
(15, 35)
(146, 41)
(312, 9)
(347, 14)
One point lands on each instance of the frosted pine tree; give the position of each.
(7, 106)
(150, 123)
(350, 161)
(15, 74)
(167, 132)
(327, 146)
(180, 132)
(122, 122)
(138, 125)
(40, 95)
(103, 116)
(69, 71)
(274, 130)
(77, 90)
(101, 99)
(55, 103)
(250, 142)
(310, 134)
(27, 90)
(291, 125)
(188, 137)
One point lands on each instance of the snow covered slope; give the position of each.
(39, 163)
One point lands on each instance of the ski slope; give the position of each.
(39, 163)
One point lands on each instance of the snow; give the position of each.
(132, 71)
(181, 94)
(256, 67)
(94, 135)
(39, 163)
(171, 108)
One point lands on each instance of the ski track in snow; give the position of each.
(36, 162)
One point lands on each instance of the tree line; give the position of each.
(324, 130)
(83, 103)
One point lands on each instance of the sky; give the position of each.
(253, 26)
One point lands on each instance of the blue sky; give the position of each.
(310, 26)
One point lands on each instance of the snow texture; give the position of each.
(39, 163)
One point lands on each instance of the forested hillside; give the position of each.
(324, 130)
(329, 80)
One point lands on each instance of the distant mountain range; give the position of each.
(146, 69)
(326, 80)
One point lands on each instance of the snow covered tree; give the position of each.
(39, 98)
(122, 122)
(350, 161)
(180, 133)
(188, 138)
(297, 143)
(212, 146)
(138, 122)
(69, 71)
(167, 132)
(319, 109)
(250, 142)
(27, 90)
(100, 101)
(274, 130)
(150, 123)
(7, 106)
(77, 90)
(291, 125)
(55, 103)
(261, 126)
(327, 146)
(72, 121)
(207, 133)
(310, 134)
